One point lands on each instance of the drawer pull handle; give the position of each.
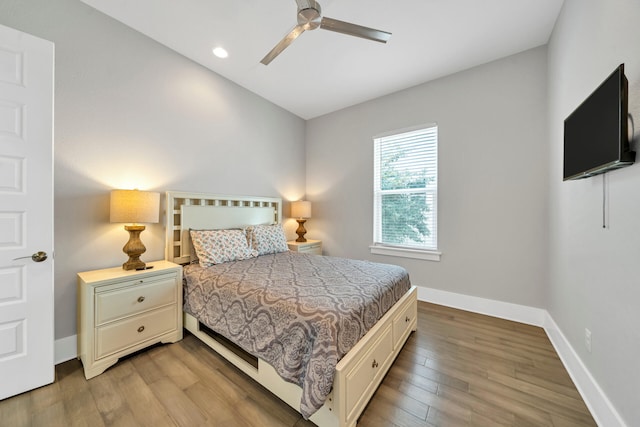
(374, 364)
(141, 328)
(140, 299)
(406, 319)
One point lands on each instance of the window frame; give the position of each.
(406, 251)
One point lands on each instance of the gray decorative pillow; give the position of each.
(267, 239)
(218, 246)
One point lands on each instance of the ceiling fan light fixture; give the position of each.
(220, 52)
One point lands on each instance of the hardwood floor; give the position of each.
(459, 369)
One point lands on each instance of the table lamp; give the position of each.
(134, 207)
(301, 211)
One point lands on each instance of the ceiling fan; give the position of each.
(310, 18)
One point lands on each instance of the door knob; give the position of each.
(37, 257)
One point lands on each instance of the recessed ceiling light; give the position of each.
(220, 52)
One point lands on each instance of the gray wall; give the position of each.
(594, 279)
(492, 177)
(130, 113)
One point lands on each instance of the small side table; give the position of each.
(122, 311)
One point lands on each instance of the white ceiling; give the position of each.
(323, 71)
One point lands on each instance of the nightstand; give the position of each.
(308, 247)
(120, 312)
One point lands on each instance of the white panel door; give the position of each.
(26, 212)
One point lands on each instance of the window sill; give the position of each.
(427, 255)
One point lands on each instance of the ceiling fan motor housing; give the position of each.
(309, 14)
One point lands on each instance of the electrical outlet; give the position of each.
(587, 339)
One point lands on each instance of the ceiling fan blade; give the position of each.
(284, 43)
(354, 30)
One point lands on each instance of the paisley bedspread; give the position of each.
(300, 313)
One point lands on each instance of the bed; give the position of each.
(355, 374)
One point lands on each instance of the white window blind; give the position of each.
(406, 189)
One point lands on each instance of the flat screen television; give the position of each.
(595, 134)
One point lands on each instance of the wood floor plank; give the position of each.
(381, 410)
(405, 401)
(259, 417)
(549, 384)
(539, 391)
(434, 375)
(44, 397)
(177, 403)
(149, 411)
(520, 410)
(218, 410)
(401, 374)
(480, 408)
(458, 369)
(441, 418)
(16, 411)
(110, 402)
(53, 415)
(268, 402)
(173, 367)
(146, 367)
(81, 408)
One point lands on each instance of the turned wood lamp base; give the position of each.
(301, 230)
(134, 248)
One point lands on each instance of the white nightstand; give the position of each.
(308, 247)
(121, 311)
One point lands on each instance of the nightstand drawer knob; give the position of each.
(406, 319)
(140, 299)
(141, 328)
(374, 364)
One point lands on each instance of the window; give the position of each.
(405, 193)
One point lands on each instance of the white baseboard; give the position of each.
(601, 408)
(603, 412)
(65, 349)
(503, 310)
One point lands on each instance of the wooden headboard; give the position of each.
(212, 211)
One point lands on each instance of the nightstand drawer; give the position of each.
(136, 298)
(309, 247)
(312, 248)
(118, 336)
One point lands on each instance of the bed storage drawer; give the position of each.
(370, 368)
(135, 298)
(404, 322)
(117, 336)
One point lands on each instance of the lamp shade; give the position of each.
(301, 209)
(135, 206)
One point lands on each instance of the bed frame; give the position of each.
(359, 372)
